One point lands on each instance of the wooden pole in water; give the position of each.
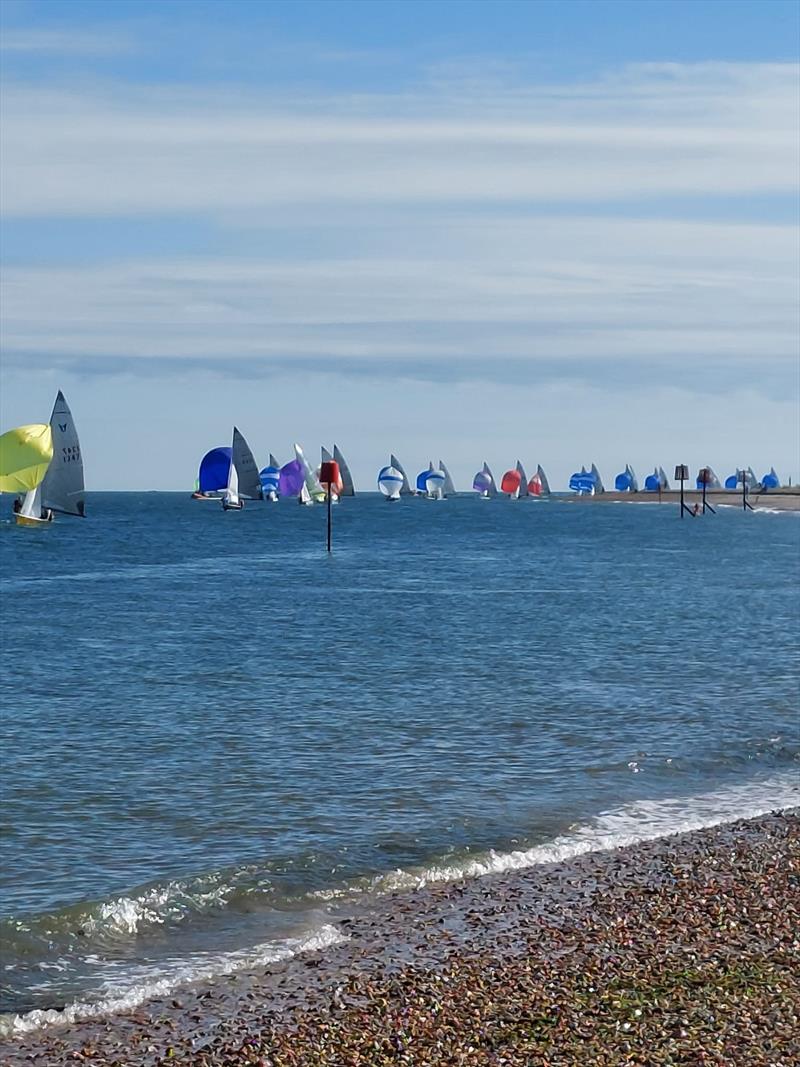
(682, 473)
(329, 517)
(329, 476)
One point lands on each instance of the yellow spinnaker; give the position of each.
(25, 455)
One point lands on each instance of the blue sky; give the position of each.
(564, 232)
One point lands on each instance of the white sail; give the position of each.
(348, 488)
(32, 504)
(523, 480)
(246, 468)
(305, 496)
(406, 490)
(313, 487)
(326, 456)
(273, 462)
(231, 495)
(634, 479)
(449, 487)
(598, 481)
(543, 480)
(62, 488)
(662, 479)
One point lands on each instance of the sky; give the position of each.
(564, 232)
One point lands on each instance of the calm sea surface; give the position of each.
(213, 735)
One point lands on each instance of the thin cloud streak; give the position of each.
(64, 42)
(527, 288)
(711, 129)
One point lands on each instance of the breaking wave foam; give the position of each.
(141, 985)
(643, 820)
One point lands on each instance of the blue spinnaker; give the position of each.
(652, 483)
(732, 482)
(771, 481)
(214, 467)
(422, 480)
(481, 483)
(582, 482)
(270, 479)
(623, 482)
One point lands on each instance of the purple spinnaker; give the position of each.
(292, 477)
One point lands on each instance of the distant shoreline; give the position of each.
(668, 950)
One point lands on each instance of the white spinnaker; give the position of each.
(62, 488)
(390, 482)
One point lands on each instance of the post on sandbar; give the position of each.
(681, 475)
(704, 477)
(746, 505)
(329, 477)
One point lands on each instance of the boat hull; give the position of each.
(30, 520)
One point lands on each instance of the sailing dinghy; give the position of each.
(406, 490)
(348, 488)
(483, 483)
(390, 482)
(26, 453)
(510, 484)
(539, 486)
(449, 488)
(243, 477)
(62, 488)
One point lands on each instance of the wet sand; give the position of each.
(684, 950)
(785, 499)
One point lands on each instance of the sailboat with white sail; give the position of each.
(348, 488)
(244, 480)
(430, 483)
(484, 484)
(398, 466)
(523, 481)
(62, 489)
(390, 482)
(449, 488)
(538, 486)
(315, 492)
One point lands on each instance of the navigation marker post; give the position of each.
(745, 502)
(704, 477)
(329, 477)
(682, 475)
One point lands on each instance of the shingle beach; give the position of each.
(682, 950)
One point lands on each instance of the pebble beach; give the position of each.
(681, 950)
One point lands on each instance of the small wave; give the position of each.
(643, 820)
(141, 985)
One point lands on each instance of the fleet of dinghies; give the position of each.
(42, 465)
(44, 462)
(219, 473)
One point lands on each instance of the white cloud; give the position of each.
(670, 130)
(523, 287)
(65, 42)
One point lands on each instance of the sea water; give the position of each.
(215, 736)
